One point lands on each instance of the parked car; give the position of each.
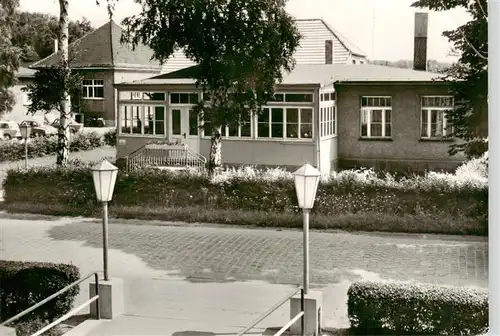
(39, 129)
(74, 126)
(9, 130)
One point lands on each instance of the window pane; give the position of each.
(149, 117)
(277, 130)
(423, 130)
(245, 130)
(279, 97)
(306, 116)
(264, 116)
(193, 123)
(176, 122)
(154, 96)
(85, 92)
(364, 122)
(159, 127)
(292, 130)
(207, 129)
(263, 130)
(376, 116)
(364, 101)
(370, 101)
(87, 82)
(388, 115)
(277, 115)
(184, 98)
(159, 113)
(233, 131)
(292, 115)
(90, 92)
(136, 95)
(99, 92)
(125, 120)
(174, 98)
(206, 96)
(298, 97)
(193, 98)
(136, 120)
(223, 131)
(306, 131)
(388, 130)
(425, 116)
(98, 82)
(376, 129)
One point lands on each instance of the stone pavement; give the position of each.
(201, 272)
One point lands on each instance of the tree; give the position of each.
(240, 47)
(35, 34)
(469, 76)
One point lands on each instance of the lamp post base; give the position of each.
(111, 298)
(313, 302)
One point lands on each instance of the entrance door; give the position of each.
(184, 126)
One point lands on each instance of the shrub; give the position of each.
(416, 309)
(43, 146)
(26, 283)
(31, 327)
(110, 138)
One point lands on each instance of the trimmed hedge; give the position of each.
(110, 138)
(42, 146)
(461, 207)
(416, 309)
(24, 284)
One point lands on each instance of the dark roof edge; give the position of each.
(386, 82)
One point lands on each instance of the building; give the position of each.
(104, 61)
(320, 44)
(20, 110)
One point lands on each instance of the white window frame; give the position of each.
(428, 110)
(370, 110)
(299, 123)
(92, 87)
(142, 115)
(169, 97)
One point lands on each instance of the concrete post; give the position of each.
(111, 298)
(313, 303)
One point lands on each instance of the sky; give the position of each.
(383, 29)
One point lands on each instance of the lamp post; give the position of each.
(306, 180)
(25, 134)
(104, 175)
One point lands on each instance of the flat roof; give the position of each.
(319, 74)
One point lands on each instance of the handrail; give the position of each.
(51, 297)
(275, 307)
(286, 326)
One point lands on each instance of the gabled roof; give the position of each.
(102, 49)
(322, 74)
(351, 47)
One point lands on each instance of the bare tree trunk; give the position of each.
(215, 159)
(64, 132)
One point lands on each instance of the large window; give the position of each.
(184, 98)
(240, 130)
(293, 97)
(285, 123)
(93, 88)
(142, 119)
(433, 117)
(327, 123)
(139, 95)
(376, 116)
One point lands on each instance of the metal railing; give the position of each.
(165, 155)
(274, 308)
(67, 315)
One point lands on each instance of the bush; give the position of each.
(43, 146)
(27, 283)
(416, 309)
(110, 138)
(441, 203)
(31, 327)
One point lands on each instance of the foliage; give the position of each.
(35, 33)
(9, 55)
(28, 328)
(26, 283)
(469, 76)
(43, 146)
(437, 201)
(110, 138)
(416, 309)
(240, 52)
(46, 92)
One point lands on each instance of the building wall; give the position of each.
(405, 150)
(101, 107)
(20, 109)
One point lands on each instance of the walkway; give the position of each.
(219, 274)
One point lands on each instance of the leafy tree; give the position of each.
(9, 55)
(35, 34)
(469, 76)
(241, 48)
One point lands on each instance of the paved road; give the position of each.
(156, 261)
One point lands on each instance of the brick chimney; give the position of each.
(420, 42)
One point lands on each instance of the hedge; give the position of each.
(13, 150)
(110, 138)
(24, 284)
(437, 203)
(416, 309)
